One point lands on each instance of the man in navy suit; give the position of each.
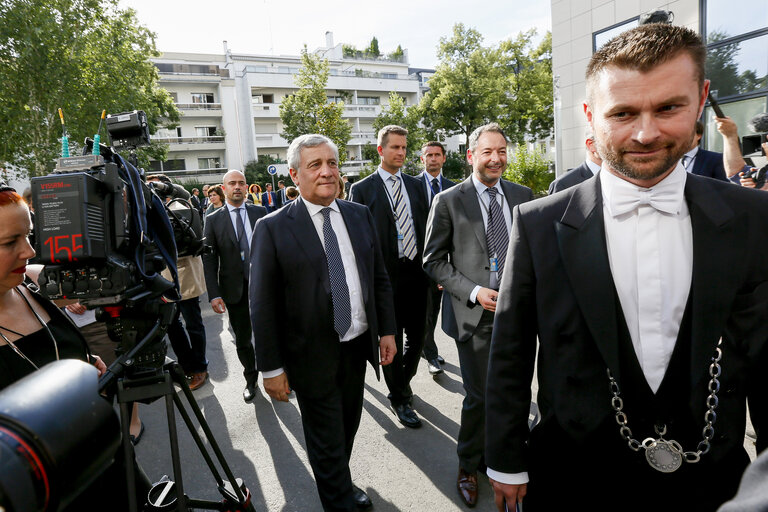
(586, 170)
(702, 162)
(433, 157)
(269, 199)
(399, 207)
(228, 232)
(321, 306)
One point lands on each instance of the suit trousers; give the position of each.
(473, 360)
(240, 320)
(432, 311)
(189, 343)
(330, 418)
(410, 294)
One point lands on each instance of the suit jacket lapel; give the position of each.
(469, 201)
(716, 270)
(581, 239)
(305, 234)
(228, 226)
(382, 195)
(352, 221)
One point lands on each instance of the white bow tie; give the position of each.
(665, 197)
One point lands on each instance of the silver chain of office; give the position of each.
(668, 455)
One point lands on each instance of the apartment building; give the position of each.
(230, 105)
(736, 34)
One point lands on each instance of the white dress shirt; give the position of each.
(689, 158)
(359, 320)
(592, 166)
(651, 257)
(385, 176)
(246, 222)
(483, 198)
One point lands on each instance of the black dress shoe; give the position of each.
(406, 415)
(362, 501)
(433, 365)
(249, 393)
(440, 359)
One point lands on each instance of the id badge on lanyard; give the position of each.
(494, 263)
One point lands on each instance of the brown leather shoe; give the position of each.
(197, 379)
(467, 485)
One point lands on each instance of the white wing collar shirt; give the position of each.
(650, 249)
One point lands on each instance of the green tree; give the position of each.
(84, 56)
(510, 83)
(397, 113)
(397, 55)
(530, 168)
(308, 110)
(256, 171)
(528, 110)
(373, 48)
(455, 166)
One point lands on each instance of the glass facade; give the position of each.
(736, 32)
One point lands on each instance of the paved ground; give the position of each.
(400, 468)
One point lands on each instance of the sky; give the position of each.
(282, 27)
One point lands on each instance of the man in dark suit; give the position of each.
(433, 157)
(228, 232)
(647, 330)
(467, 237)
(586, 170)
(269, 199)
(321, 306)
(702, 162)
(399, 209)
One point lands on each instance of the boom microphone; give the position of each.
(759, 123)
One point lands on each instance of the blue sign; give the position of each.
(272, 170)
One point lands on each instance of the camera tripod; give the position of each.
(144, 384)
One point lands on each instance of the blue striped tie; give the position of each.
(342, 309)
(496, 234)
(403, 220)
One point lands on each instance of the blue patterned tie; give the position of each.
(342, 310)
(496, 234)
(435, 188)
(403, 220)
(242, 239)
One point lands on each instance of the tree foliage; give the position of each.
(84, 56)
(373, 48)
(308, 110)
(510, 83)
(530, 168)
(397, 113)
(256, 170)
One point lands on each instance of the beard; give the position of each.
(648, 168)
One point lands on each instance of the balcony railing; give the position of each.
(191, 140)
(198, 106)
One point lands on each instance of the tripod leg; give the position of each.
(174, 440)
(179, 377)
(130, 477)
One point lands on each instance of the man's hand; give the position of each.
(218, 306)
(387, 349)
(99, 364)
(510, 493)
(278, 387)
(487, 298)
(747, 182)
(726, 127)
(76, 308)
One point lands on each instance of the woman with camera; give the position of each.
(34, 332)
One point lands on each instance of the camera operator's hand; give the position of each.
(97, 362)
(726, 126)
(748, 182)
(76, 308)
(218, 306)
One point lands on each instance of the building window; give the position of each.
(174, 96)
(212, 162)
(368, 100)
(740, 111)
(263, 98)
(738, 67)
(603, 36)
(202, 97)
(729, 18)
(168, 165)
(205, 131)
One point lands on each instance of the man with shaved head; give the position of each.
(228, 232)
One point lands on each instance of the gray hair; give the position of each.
(310, 140)
(486, 128)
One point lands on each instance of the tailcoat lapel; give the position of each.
(581, 240)
(716, 270)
